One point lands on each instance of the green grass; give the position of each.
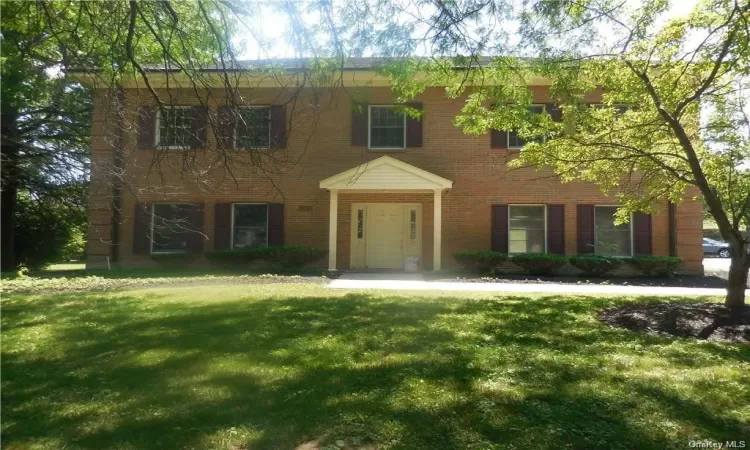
(272, 366)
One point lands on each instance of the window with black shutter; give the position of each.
(174, 127)
(387, 128)
(176, 227)
(611, 239)
(253, 128)
(249, 225)
(527, 229)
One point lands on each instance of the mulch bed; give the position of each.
(710, 321)
(707, 281)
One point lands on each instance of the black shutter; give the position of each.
(275, 224)
(554, 111)
(359, 124)
(146, 127)
(556, 229)
(222, 226)
(585, 219)
(414, 127)
(225, 128)
(499, 225)
(641, 234)
(498, 139)
(194, 236)
(142, 229)
(278, 126)
(672, 219)
(199, 124)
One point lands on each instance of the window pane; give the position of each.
(527, 229)
(386, 128)
(250, 226)
(413, 224)
(254, 128)
(610, 240)
(514, 141)
(174, 127)
(360, 223)
(170, 228)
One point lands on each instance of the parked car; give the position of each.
(715, 248)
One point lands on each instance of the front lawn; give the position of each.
(277, 365)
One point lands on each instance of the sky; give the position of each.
(264, 35)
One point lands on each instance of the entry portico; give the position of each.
(394, 224)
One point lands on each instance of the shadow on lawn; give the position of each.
(392, 371)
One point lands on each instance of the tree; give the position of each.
(45, 134)
(46, 113)
(47, 231)
(649, 140)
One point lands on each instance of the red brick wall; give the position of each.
(319, 147)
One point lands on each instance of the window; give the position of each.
(413, 224)
(527, 229)
(611, 239)
(514, 141)
(360, 223)
(169, 227)
(387, 128)
(253, 128)
(249, 225)
(174, 127)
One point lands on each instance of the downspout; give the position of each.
(672, 218)
(117, 164)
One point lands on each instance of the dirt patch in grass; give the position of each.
(710, 321)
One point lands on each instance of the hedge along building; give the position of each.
(339, 166)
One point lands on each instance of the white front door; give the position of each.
(385, 237)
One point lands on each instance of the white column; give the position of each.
(437, 222)
(333, 221)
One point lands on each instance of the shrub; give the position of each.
(234, 257)
(539, 263)
(656, 266)
(480, 261)
(174, 259)
(292, 257)
(596, 266)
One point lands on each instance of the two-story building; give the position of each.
(340, 168)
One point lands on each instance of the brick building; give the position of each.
(348, 172)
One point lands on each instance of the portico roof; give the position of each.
(387, 174)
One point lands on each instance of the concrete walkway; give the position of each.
(415, 282)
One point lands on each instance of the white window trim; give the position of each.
(234, 133)
(507, 134)
(630, 224)
(157, 135)
(231, 233)
(545, 223)
(151, 235)
(369, 130)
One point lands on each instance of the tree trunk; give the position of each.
(738, 269)
(8, 229)
(9, 187)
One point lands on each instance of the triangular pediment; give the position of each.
(386, 173)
